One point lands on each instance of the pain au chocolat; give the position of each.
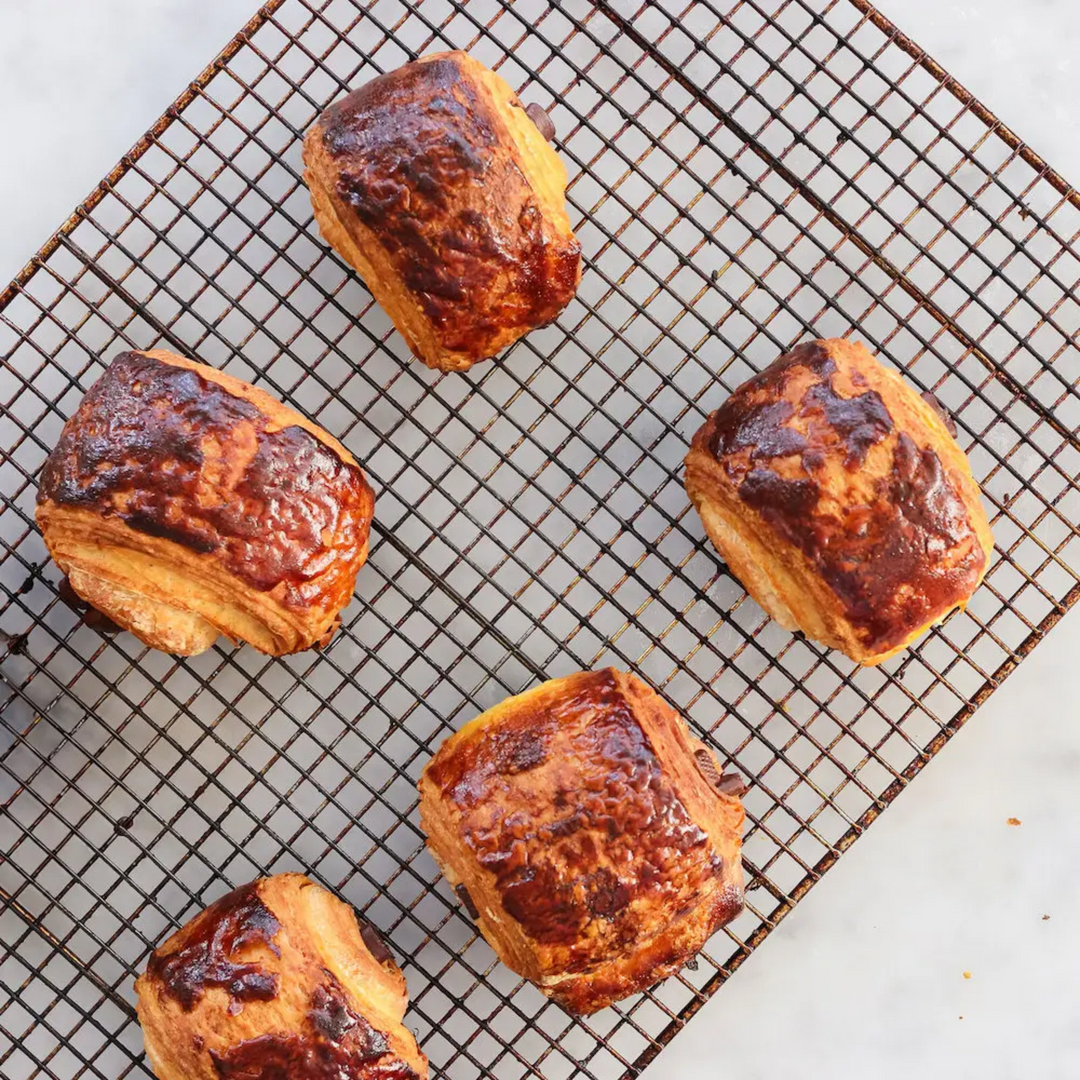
(838, 497)
(183, 503)
(591, 837)
(436, 185)
(275, 980)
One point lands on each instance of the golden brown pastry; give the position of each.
(837, 496)
(183, 503)
(591, 837)
(435, 184)
(276, 981)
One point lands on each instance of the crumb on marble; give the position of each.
(967, 974)
(1013, 821)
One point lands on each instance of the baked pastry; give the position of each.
(437, 186)
(275, 980)
(837, 496)
(590, 836)
(183, 503)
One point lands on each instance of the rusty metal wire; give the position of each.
(743, 174)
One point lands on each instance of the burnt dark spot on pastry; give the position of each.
(333, 1019)
(374, 942)
(296, 1057)
(519, 751)
(761, 428)
(572, 848)
(424, 166)
(178, 457)
(859, 422)
(565, 826)
(893, 561)
(335, 1044)
(237, 923)
(776, 497)
(465, 897)
(606, 895)
(932, 400)
(759, 419)
(152, 525)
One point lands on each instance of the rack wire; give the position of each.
(743, 175)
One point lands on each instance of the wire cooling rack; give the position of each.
(743, 174)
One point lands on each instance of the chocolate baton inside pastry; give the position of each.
(276, 980)
(838, 497)
(441, 190)
(183, 503)
(595, 849)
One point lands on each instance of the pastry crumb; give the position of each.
(967, 974)
(1045, 918)
(1013, 821)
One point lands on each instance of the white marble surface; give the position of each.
(866, 978)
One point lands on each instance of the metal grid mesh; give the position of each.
(743, 174)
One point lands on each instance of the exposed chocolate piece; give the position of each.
(374, 941)
(178, 457)
(733, 784)
(707, 765)
(932, 400)
(726, 783)
(236, 923)
(538, 115)
(100, 622)
(69, 595)
(90, 616)
(470, 905)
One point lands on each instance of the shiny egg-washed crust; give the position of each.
(276, 979)
(183, 504)
(434, 184)
(579, 822)
(837, 496)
